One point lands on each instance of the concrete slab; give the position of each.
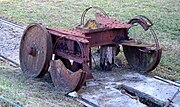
(109, 97)
(153, 87)
(104, 93)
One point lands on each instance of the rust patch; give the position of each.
(60, 74)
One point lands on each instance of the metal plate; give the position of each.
(66, 62)
(61, 76)
(142, 60)
(35, 50)
(66, 73)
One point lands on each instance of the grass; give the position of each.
(30, 92)
(67, 13)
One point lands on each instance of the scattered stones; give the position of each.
(73, 94)
(10, 37)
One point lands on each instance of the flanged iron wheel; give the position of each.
(142, 56)
(63, 73)
(141, 60)
(35, 50)
(63, 77)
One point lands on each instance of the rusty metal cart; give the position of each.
(73, 48)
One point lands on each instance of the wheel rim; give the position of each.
(35, 51)
(142, 56)
(61, 76)
(143, 61)
(62, 71)
(77, 51)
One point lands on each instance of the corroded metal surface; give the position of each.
(111, 23)
(59, 73)
(103, 21)
(71, 45)
(73, 48)
(35, 50)
(142, 60)
(143, 56)
(105, 31)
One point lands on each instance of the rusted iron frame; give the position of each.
(86, 59)
(110, 32)
(105, 36)
(84, 46)
(111, 23)
(90, 58)
(66, 55)
(104, 23)
(68, 34)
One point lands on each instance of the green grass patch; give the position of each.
(28, 91)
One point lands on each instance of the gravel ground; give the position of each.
(10, 37)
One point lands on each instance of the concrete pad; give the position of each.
(104, 93)
(109, 97)
(153, 87)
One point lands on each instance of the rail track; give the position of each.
(7, 56)
(12, 23)
(5, 100)
(87, 99)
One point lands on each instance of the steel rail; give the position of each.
(9, 101)
(167, 81)
(83, 101)
(11, 23)
(9, 60)
(15, 25)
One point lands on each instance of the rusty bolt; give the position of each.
(32, 51)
